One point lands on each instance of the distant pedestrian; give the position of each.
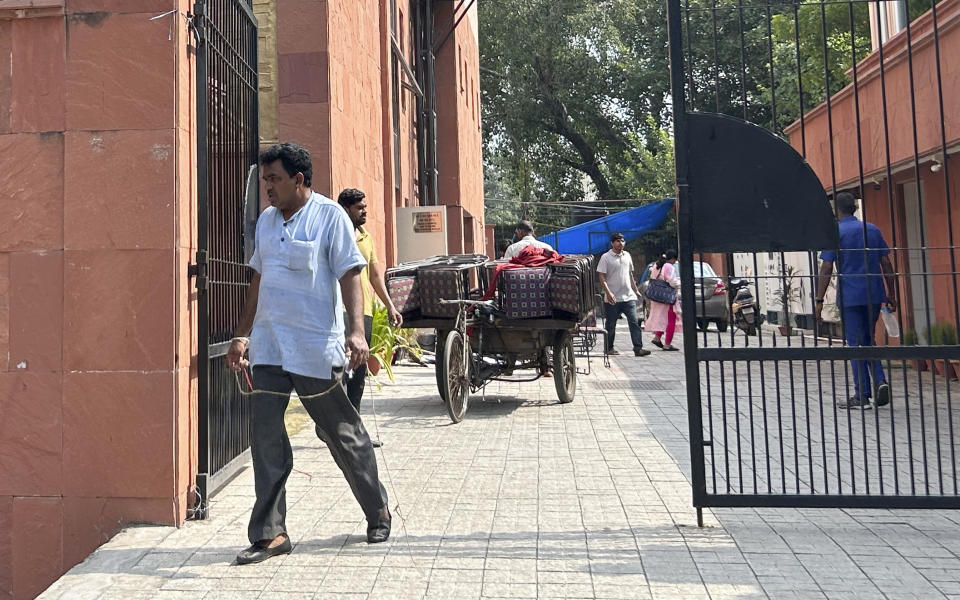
(664, 319)
(525, 238)
(354, 202)
(620, 292)
(305, 255)
(863, 266)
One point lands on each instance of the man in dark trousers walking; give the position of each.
(863, 267)
(305, 255)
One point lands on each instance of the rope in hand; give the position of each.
(254, 392)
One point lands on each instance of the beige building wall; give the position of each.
(266, 13)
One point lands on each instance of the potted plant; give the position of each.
(909, 338)
(943, 334)
(386, 341)
(787, 293)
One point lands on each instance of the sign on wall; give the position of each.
(421, 232)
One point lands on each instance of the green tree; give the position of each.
(831, 38)
(573, 89)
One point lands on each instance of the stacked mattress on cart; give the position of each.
(417, 287)
(562, 290)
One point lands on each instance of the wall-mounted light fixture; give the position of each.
(937, 162)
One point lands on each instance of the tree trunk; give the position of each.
(561, 124)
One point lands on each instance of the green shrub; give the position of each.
(910, 338)
(385, 340)
(942, 334)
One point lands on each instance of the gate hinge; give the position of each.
(707, 442)
(199, 269)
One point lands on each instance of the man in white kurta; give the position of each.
(305, 255)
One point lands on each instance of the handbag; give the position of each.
(660, 291)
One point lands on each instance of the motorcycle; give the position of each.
(744, 307)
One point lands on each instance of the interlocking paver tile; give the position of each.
(528, 498)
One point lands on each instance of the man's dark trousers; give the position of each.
(859, 324)
(356, 381)
(338, 424)
(628, 309)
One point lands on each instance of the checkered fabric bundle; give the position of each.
(437, 283)
(566, 292)
(523, 293)
(404, 292)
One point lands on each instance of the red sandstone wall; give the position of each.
(357, 107)
(335, 99)
(303, 83)
(815, 140)
(335, 73)
(460, 179)
(96, 230)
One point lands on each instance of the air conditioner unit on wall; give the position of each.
(421, 232)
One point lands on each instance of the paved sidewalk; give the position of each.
(530, 499)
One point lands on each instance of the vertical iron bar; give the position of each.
(950, 240)
(694, 407)
(893, 235)
(203, 299)
(866, 250)
(923, 238)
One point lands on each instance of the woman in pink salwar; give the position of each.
(665, 319)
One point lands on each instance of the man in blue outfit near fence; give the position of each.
(863, 267)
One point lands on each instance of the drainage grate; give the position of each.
(635, 385)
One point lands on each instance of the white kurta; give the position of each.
(299, 321)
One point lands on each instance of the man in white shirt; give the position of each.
(620, 293)
(305, 247)
(525, 235)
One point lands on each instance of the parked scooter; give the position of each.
(745, 309)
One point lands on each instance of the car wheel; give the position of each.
(721, 325)
(702, 324)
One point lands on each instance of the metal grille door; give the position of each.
(780, 109)
(227, 141)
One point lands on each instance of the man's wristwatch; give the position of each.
(819, 300)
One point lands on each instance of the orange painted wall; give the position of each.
(96, 231)
(940, 223)
(909, 157)
(815, 136)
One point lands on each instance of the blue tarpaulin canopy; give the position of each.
(593, 237)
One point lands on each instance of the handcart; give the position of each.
(479, 341)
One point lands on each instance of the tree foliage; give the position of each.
(574, 91)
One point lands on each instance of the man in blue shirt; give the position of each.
(863, 267)
(306, 255)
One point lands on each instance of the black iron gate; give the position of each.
(227, 146)
(779, 108)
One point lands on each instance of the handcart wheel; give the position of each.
(438, 363)
(564, 367)
(455, 376)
